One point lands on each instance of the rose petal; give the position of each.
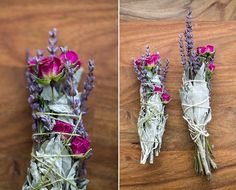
(80, 145)
(138, 61)
(50, 67)
(63, 127)
(78, 64)
(211, 66)
(45, 68)
(165, 97)
(210, 48)
(157, 89)
(152, 60)
(32, 62)
(201, 50)
(57, 66)
(70, 55)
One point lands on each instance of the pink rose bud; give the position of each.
(63, 127)
(72, 57)
(31, 66)
(165, 97)
(210, 49)
(212, 67)
(201, 50)
(80, 145)
(157, 89)
(138, 61)
(32, 62)
(153, 59)
(50, 68)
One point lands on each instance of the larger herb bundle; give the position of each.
(61, 144)
(153, 97)
(195, 96)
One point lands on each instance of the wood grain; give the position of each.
(173, 169)
(210, 10)
(88, 27)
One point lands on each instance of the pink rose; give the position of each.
(31, 66)
(152, 60)
(32, 62)
(212, 67)
(63, 127)
(138, 61)
(157, 89)
(50, 69)
(201, 50)
(80, 145)
(72, 57)
(165, 97)
(210, 48)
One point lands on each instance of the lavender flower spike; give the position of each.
(89, 84)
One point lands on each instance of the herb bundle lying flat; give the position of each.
(60, 142)
(153, 97)
(195, 96)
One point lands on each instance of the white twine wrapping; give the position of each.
(196, 130)
(39, 158)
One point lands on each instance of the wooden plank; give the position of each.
(90, 28)
(173, 169)
(210, 10)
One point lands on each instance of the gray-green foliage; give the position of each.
(151, 122)
(195, 100)
(53, 169)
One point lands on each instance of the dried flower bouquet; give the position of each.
(60, 142)
(153, 98)
(195, 96)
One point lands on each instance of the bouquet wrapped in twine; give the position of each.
(60, 142)
(195, 96)
(153, 98)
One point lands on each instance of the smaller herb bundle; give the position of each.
(61, 143)
(195, 96)
(153, 98)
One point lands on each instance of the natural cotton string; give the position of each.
(196, 130)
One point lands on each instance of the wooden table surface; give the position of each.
(204, 10)
(90, 28)
(173, 169)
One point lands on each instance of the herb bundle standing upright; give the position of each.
(195, 96)
(153, 98)
(60, 142)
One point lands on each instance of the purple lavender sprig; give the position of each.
(164, 71)
(188, 34)
(182, 51)
(140, 71)
(187, 60)
(52, 48)
(34, 91)
(89, 83)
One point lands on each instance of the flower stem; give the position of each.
(203, 159)
(53, 97)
